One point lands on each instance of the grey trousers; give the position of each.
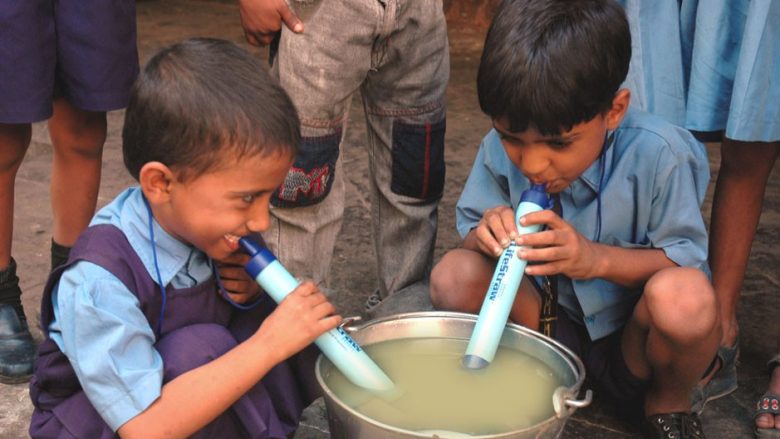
(395, 52)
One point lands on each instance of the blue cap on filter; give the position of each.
(537, 195)
(261, 257)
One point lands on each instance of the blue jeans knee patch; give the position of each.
(418, 159)
(311, 177)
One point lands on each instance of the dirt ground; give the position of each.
(161, 22)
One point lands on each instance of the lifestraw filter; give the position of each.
(336, 344)
(503, 287)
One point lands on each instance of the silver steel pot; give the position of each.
(347, 423)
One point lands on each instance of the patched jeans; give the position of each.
(396, 53)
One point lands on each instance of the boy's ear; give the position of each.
(156, 179)
(619, 107)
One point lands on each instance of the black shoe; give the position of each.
(673, 426)
(17, 348)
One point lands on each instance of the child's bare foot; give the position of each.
(769, 420)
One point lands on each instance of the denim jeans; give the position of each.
(395, 52)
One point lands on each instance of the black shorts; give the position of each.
(605, 366)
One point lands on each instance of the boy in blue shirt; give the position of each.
(142, 340)
(626, 246)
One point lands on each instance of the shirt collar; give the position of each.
(172, 254)
(592, 176)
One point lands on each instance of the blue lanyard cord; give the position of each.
(225, 295)
(156, 268)
(608, 139)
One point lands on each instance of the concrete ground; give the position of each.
(163, 22)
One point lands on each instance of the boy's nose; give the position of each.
(533, 164)
(259, 219)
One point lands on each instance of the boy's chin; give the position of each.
(555, 188)
(218, 252)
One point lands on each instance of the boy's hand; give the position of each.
(496, 230)
(239, 286)
(561, 247)
(262, 19)
(300, 318)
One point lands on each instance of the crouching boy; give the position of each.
(626, 246)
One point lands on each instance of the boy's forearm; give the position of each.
(628, 267)
(192, 400)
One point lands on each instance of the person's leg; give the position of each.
(460, 281)
(403, 97)
(78, 137)
(768, 420)
(320, 69)
(672, 337)
(97, 62)
(17, 349)
(14, 141)
(271, 408)
(736, 209)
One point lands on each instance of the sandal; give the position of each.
(768, 403)
(673, 426)
(372, 302)
(723, 382)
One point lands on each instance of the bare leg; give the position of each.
(672, 337)
(736, 208)
(78, 137)
(17, 349)
(460, 280)
(14, 140)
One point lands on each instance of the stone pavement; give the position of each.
(163, 22)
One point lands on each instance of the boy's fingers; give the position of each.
(548, 217)
(237, 259)
(540, 254)
(508, 224)
(499, 228)
(238, 297)
(316, 299)
(232, 273)
(548, 269)
(251, 39)
(307, 288)
(329, 322)
(488, 241)
(290, 19)
(236, 286)
(538, 239)
(324, 309)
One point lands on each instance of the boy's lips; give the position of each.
(232, 240)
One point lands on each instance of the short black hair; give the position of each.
(204, 103)
(552, 64)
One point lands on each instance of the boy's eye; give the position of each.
(248, 199)
(558, 144)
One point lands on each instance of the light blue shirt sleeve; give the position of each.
(99, 325)
(105, 335)
(675, 222)
(493, 181)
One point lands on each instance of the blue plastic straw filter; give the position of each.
(336, 344)
(503, 287)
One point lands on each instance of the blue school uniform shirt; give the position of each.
(655, 178)
(99, 325)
